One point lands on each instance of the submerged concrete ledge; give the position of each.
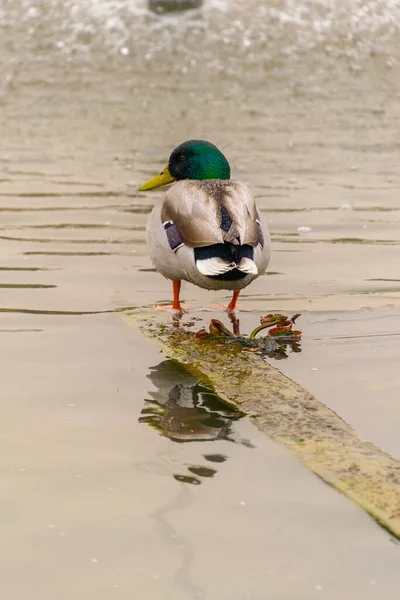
(289, 415)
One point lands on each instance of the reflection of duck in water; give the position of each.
(187, 411)
(166, 6)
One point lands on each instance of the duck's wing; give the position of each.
(202, 213)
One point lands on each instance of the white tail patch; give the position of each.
(214, 266)
(247, 265)
(218, 266)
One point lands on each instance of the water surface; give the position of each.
(122, 476)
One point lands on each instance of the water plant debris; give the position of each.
(280, 336)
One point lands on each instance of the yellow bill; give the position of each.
(161, 179)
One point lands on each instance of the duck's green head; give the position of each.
(194, 159)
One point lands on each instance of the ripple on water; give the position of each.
(24, 269)
(59, 253)
(26, 286)
(14, 238)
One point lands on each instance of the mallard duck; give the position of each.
(206, 229)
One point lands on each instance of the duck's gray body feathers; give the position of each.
(210, 234)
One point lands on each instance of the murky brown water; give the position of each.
(303, 97)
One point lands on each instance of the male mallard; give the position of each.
(206, 229)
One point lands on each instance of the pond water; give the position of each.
(122, 477)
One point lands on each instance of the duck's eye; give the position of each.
(180, 158)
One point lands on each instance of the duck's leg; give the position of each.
(232, 304)
(176, 305)
(176, 286)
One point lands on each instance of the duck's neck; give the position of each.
(211, 169)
